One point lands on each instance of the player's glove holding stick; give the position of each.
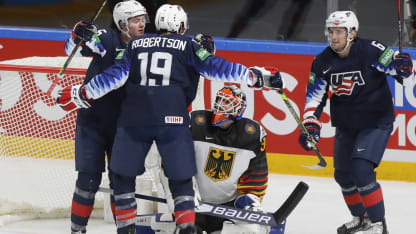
(314, 129)
(73, 98)
(268, 77)
(83, 31)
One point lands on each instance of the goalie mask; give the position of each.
(229, 105)
(342, 19)
(170, 18)
(125, 10)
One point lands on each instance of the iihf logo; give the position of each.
(343, 83)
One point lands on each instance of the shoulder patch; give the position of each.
(386, 57)
(120, 53)
(250, 129)
(312, 76)
(202, 54)
(200, 119)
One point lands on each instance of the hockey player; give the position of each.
(159, 74)
(230, 155)
(354, 70)
(231, 159)
(96, 126)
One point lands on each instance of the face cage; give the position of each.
(227, 108)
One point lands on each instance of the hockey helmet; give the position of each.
(170, 18)
(229, 105)
(342, 19)
(125, 10)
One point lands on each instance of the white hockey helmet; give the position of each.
(170, 18)
(342, 19)
(125, 10)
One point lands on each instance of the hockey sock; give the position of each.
(350, 193)
(125, 201)
(83, 200)
(370, 191)
(183, 196)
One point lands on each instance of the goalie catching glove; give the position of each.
(268, 77)
(73, 98)
(83, 31)
(313, 126)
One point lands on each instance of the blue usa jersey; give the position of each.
(160, 75)
(360, 93)
(106, 47)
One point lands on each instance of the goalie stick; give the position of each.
(69, 59)
(269, 219)
(322, 162)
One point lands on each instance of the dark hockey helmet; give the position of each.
(229, 105)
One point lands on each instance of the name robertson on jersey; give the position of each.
(159, 42)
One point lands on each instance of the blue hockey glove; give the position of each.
(314, 129)
(205, 42)
(73, 98)
(83, 31)
(248, 202)
(256, 75)
(403, 65)
(274, 80)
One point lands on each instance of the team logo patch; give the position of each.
(344, 83)
(174, 119)
(312, 78)
(219, 164)
(200, 120)
(250, 129)
(202, 54)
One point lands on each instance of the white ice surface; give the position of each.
(320, 212)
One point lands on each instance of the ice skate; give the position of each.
(377, 228)
(187, 228)
(358, 223)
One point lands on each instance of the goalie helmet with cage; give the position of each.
(230, 104)
(125, 10)
(170, 18)
(342, 19)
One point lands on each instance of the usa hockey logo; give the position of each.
(219, 164)
(344, 83)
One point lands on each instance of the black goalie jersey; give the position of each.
(229, 162)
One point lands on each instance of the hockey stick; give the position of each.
(269, 219)
(322, 162)
(399, 20)
(68, 60)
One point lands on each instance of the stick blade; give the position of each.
(291, 202)
(319, 166)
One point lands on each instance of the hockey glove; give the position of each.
(83, 31)
(73, 98)
(205, 42)
(256, 75)
(248, 202)
(403, 65)
(274, 80)
(314, 129)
